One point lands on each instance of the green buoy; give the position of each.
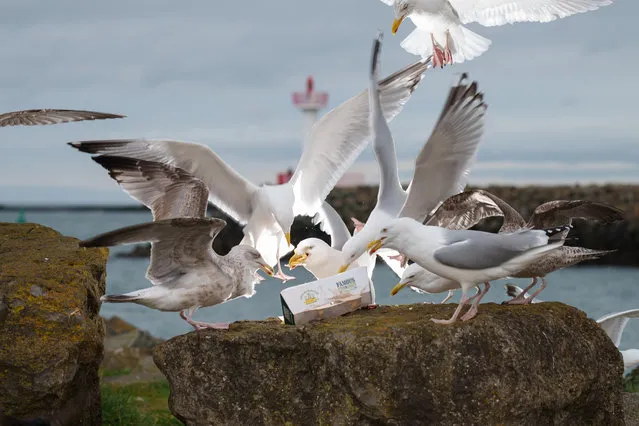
(21, 217)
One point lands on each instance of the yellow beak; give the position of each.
(288, 238)
(343, 268)
(397, 288)
(374, 245)
(396, 24)
(267, 268)
(296, 260)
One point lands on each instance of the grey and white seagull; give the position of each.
(185, 271)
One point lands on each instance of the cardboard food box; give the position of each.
(326, 298)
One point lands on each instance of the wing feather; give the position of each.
(168, 191)
(331, 222)
(443, 164)
(338, 138)
(176, 244)
(500, 12)
(228, 190)
(561, 212)
(36, 117)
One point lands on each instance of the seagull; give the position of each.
(267, 212)
(185, 270)
(421, 280)
(441, 168)
(467, 257)
(36, 117)
(468, 208)
(440, 32)
(613, 324)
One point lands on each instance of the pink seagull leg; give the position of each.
(280, 274)
(452, 319)
(520, 299)
(539, 290)
(473, 309)
(400, 258)
(438, 54)
(198, 325)
(357, 224)
(450, 294)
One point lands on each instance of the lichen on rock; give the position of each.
(51, 334)
(518, 365)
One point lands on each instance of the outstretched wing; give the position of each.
(561, 212)
(168, 191)
(177, 244)
(338, 138)
(41, 117)
(500, 12)
(228, 190)
(443, 164)
(464, 210)
(613, 324)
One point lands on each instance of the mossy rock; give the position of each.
(538, 364)
(51, 334)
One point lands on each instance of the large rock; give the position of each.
(50, 332)
(539, 364)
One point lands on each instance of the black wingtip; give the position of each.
(377, 47)
(554, 234)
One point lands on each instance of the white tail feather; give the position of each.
(464, 44)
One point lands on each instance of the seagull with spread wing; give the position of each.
(440, 31)
(42, 117)
(441, 168)
(185, 271)
(267, 212)
(466, 209)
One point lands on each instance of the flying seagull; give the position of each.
(440, 32)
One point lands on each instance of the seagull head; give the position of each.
(412, 274)
(253, 259)
(402, 9)
(356, 245)
(389, 235)
(310, 253)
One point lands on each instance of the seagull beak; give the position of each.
(374, 245)
(396, 24)
(267, 268)
(288, 238)
(343, 268)
(397, 288)
(296, 260)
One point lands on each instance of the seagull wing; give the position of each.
(561, 212)
(500, 12)
(38, 117)
(613, 324)
(168, 191)
(228, 190)
(443, 164)
(390, 196)
(331, 223)
(464, 210)
(339, 137)
(179, 243)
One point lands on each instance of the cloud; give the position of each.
(215, 73)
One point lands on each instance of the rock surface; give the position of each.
(539, 364)
(128, 353)
(51, 335)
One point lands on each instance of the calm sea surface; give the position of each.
(596, 290)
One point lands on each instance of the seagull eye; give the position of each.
(384, 229)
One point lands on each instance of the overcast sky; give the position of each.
(562, 96)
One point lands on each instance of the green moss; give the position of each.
(137, 404)
(116, 373)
